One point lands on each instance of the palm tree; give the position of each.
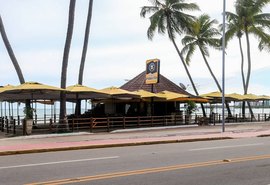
(13, 58)
(168, 16)
(234, 28)
(202, 34)
(253, 22)
(62, 116)
(10, 52)
(85, 46)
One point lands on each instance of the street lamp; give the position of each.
(223, 67)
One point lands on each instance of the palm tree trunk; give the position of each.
(242, 74)
(242, 63)
(249, 71)
(10, 52)
(85, 46)
(210, 70)
(187, 71)
(62, 117)
(216, 81)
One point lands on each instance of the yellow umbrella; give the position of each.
(251, 97)
(236, 96)
(215, 94)
(119, 93)
(6, 87)
(83, 92)
(3, 89)
(34, 86)
(146, 95)
(264, 97)
(172, 95)
(32, 90)
(194, 99)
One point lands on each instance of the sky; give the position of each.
(118, 46)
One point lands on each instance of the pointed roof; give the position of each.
(138, 83)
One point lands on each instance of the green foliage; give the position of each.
(168, 16)
(29, 112)
(201, 34)
(191, 107)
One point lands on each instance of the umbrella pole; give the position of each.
(51, 111)
(44, 112)
(18, 114)
(233, 108)
(9, 112)
(1, 109)
(54, 111)
(85, 106)
(77, 105)
(12, 110)
(5, 105)
(263, 107)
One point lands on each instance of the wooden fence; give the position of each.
(16, 126)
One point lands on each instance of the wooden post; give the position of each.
(14, 126)
(124, 122)
(72, 127)
(35, 118)
(164, 121)
(7, 123)
(138, 121)
(54, 118)
(50, 125)
(258, 117)
(2, 124)
(19, 120)
(91, 124)
(108, 124)
(24, 127)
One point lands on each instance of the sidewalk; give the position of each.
(73, 141)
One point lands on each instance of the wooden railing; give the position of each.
(96, 124)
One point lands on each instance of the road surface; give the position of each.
(235, 161)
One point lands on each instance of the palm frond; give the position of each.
(148, 10)
(185, 7)
(264, 38)
(189, 51)
(204, 50)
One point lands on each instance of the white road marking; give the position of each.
(222, 147)
(58, 162)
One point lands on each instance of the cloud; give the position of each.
(118, 46)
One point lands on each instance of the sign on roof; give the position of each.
(152, 71)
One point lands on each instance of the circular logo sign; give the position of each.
(152, 67)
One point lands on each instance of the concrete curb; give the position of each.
(108, 146)
(45, 136)
(152, 128)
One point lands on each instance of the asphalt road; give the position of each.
(232, 162)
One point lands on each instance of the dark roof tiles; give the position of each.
(164, 84)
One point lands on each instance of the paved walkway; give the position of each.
(72, 141)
